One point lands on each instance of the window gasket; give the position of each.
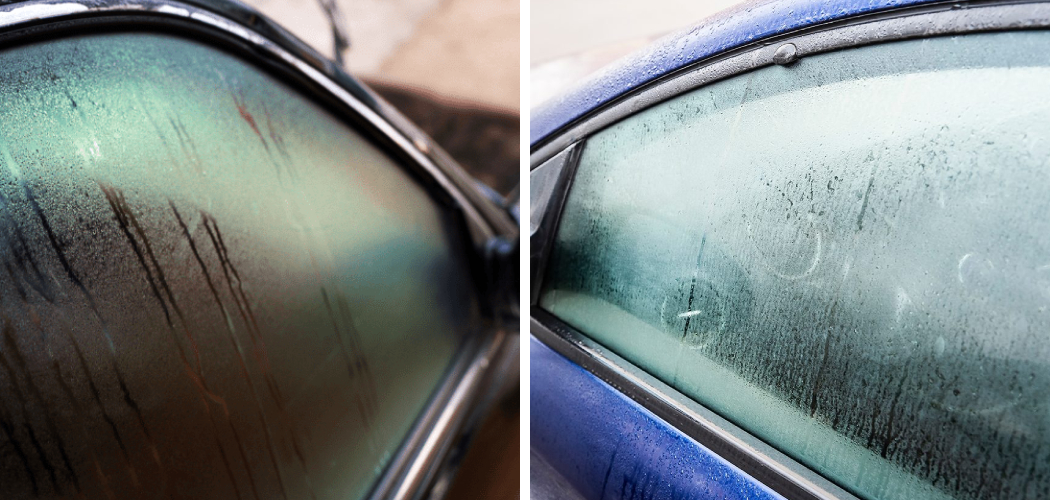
(789, 477)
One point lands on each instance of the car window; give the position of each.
(212, 287)
(848, 257)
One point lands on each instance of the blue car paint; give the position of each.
(609, 447)
(725, 31)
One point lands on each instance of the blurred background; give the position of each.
(452, 67)
(571, 39)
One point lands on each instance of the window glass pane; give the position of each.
(849, 257)
(210, 286)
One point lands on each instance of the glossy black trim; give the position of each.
(542, 239)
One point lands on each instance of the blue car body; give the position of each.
(630, 452)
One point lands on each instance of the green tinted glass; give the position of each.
(211, 287)
(848, 257)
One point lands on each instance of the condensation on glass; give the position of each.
(848, 257)
(211, 287)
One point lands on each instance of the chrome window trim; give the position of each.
(790, 478)
(417, 463)
(466, 388)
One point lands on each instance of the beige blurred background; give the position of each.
(451, 66)
(571, 39)
(460, 49)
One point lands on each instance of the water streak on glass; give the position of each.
(210, 287)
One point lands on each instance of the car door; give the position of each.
(230, 270)
(805, 265)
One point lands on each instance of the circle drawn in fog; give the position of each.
(766, 259)
(975, 270)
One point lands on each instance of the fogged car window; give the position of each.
(210, 287)
(848, 257)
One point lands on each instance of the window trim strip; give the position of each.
(761, 461)
(924, 21)
(459, 400)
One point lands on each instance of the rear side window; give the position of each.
(211, 287)
(848, 257)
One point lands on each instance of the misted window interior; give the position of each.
(848, 257)
(210, 286)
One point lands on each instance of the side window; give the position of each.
(210, 286)
(848, 257)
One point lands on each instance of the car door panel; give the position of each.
(608, 446)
